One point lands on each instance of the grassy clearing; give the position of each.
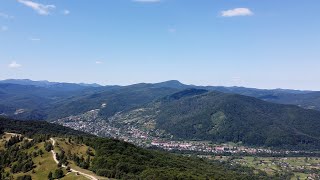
(300, 176)
(5, 137)
(2, 142)
(73, 176)
(44, 164)
(73, 166)
(79, 149)
(66, 145)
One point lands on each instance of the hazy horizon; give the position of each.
(259, 44)
(158, 82)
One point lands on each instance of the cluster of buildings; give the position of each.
(207, 147)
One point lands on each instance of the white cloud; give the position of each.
(4, 28)
(14, 64)
(34, 39)
(237, 12)
(99, 62)
(5, 16)
(147, 1)
(41, 9)
(66, 12)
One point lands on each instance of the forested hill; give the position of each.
(222, 117)
(30, 102)
(115, 159)
(30, 128)
(42, 100)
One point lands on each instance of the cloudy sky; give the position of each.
(264, 44)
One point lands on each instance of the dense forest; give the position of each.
(114, 158)
(195, 114)
(47, 103)
(31, 128)
(38, 100)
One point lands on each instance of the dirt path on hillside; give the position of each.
(54, 155)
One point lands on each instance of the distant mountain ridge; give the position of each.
(48, 84)
(27, 99)
(42, 103)
(170, 84)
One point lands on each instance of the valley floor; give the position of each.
(302, 168)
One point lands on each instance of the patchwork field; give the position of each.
(301, 167)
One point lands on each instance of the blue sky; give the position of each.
(264, 44)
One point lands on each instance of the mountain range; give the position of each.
(54, 85)
(273, 118)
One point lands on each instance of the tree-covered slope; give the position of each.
(117, 159)
(112, 158)
(222, 117)
(29, 102)
(42, 100)
(30, 128)
(114, 100)
(309, 100)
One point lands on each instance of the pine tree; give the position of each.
(50, 176)
(58, 173)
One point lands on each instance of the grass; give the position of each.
(300, 176)
(5, 137)
(45, 164)
(73, 166)
(73, 176)
(2, 143)
(79, 149)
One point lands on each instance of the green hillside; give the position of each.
(116, 100)
(222, 117)
(309, 100)
(29, 102)
(32, 100)
(103, 157)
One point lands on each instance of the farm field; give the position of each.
(301, 167)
